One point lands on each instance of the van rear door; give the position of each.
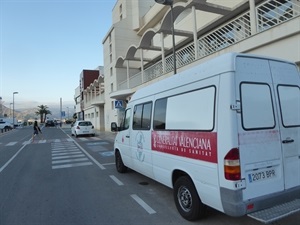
(287, 87)
(258, 128)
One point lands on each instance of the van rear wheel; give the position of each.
(121, 168)
(187, 200)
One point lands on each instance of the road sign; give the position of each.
(118, 104)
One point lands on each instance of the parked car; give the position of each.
(49, 123)
(5, 125)
(82, 127)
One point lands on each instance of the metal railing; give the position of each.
(268, 14)
(226, 35)
(272, 13)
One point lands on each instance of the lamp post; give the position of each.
(170, 3)
(1, 107)
(68, 112)
(14, 108)
(10, 109)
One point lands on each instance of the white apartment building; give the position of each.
(138, 48)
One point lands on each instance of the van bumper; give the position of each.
(234, 205)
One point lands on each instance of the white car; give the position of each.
(5, 125)
(82, 127)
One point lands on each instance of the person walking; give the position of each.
(36, 130)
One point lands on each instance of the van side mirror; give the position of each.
(114, 126)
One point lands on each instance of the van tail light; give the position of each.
(78, 127)
(232, 169)
(92, 127)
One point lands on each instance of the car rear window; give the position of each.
(85, 124)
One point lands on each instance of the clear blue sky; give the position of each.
(45, 44)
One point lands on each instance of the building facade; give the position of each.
(89, 97)
(138, 49)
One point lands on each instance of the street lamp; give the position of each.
(170, 3)
(14, 108)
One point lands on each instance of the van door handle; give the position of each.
(287, 141)
(127, 136)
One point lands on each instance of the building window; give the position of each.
(111, 71)
(111, 87)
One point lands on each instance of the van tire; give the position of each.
(121, 168)
(187, 200)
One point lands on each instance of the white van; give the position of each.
(224, 134)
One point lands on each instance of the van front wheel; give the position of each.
(121, 168)
(187, 200)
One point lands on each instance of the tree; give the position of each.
(43, 112)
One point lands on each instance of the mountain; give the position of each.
(29, 113)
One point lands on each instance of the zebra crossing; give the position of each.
(66, 155)
(43, 141)
(65, 152)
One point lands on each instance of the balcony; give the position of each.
(269, 16)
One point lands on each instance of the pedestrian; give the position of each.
(36, 130)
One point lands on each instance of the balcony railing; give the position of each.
(268, 14)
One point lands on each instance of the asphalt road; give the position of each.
(63, 180)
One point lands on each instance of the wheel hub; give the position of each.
(185, 199)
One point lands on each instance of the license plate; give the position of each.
(85, 132)
(261, 175)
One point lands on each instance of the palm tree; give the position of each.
(43, 112)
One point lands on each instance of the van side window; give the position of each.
(126, 121)
(289, 102)
(142, 116)
(193, 110)
(257, 106)
(159, 118)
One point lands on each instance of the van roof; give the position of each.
(213, 67)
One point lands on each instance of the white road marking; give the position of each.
(108, 164)
(84, 139)
(11, 159)
(68, 156)
(11, 143)
(72, 165)
(66, 153)
(65, 150)
(116, 180)
(58, 148)
(143, 204)
(91, 158)
(96, 138)
(69, 160)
